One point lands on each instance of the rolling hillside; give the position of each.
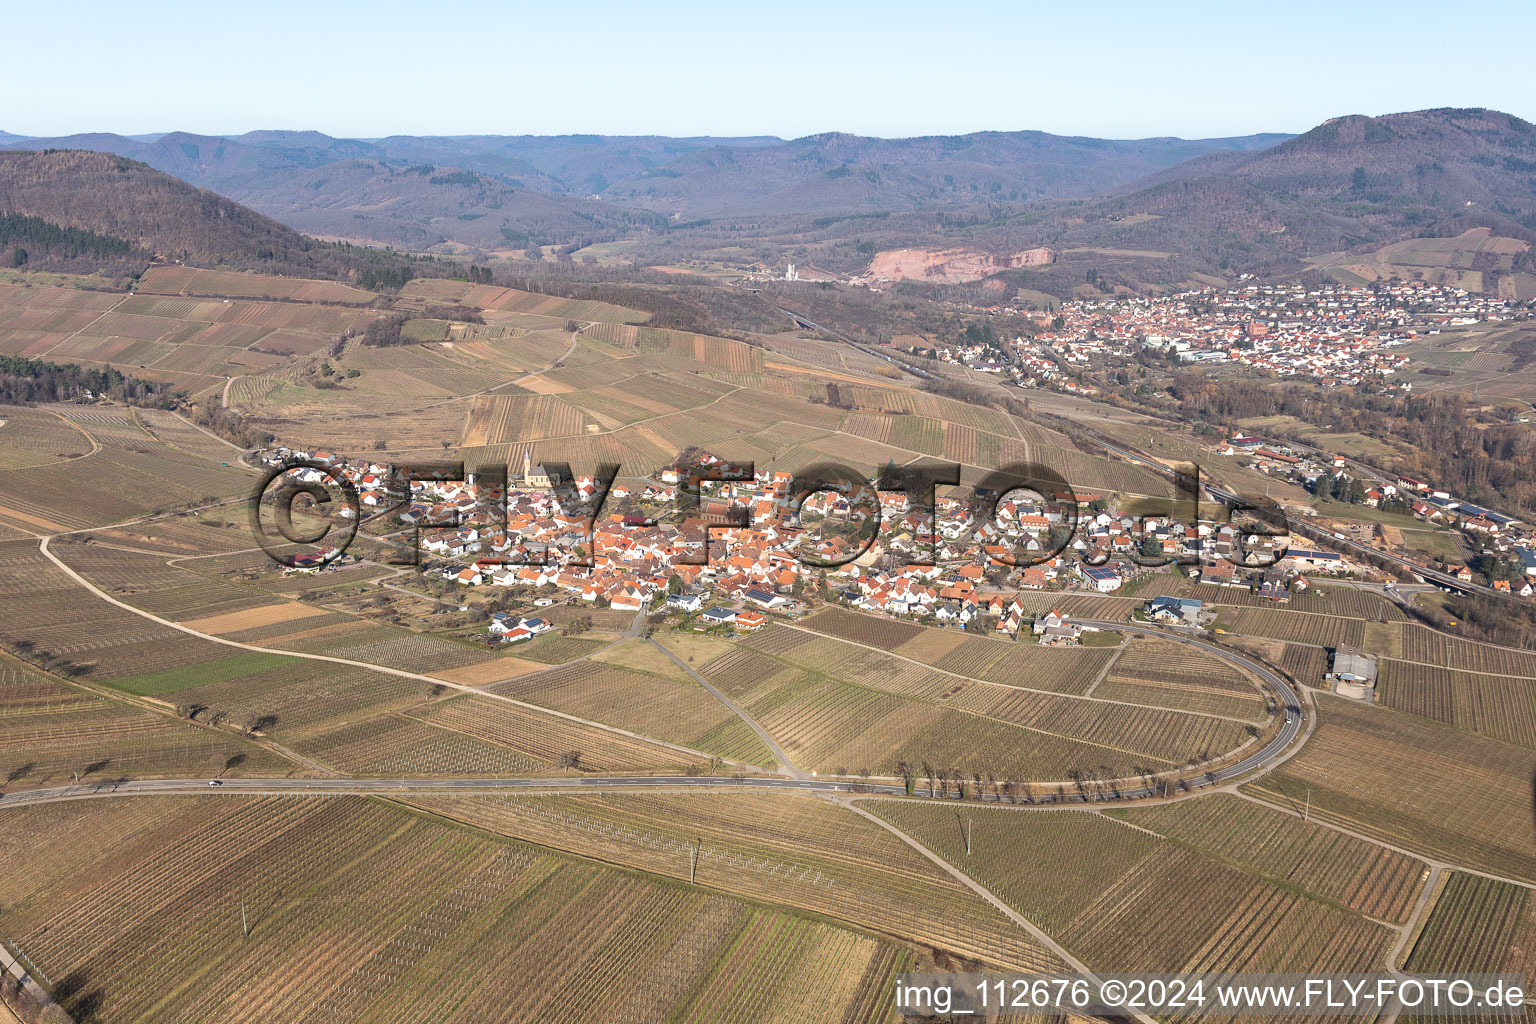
(596, 187)
(1352, 183)
(424, 206)
(848, 173)
(1137, 212)
(157, 214)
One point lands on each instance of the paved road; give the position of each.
(1008, 911)
(153, 787)
(810, 325)
(1276, 750)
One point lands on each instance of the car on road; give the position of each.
(215, 782)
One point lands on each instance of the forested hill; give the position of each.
(1350, 182)
(152, 213)
(25, 240)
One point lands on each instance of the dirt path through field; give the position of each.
(985, 893)
(386, 670)
(575, 338)
(785, 764)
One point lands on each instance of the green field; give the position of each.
(186, 677)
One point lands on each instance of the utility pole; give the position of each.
(245, 928)
(968, 823)
(693, 863)
(1307, 814)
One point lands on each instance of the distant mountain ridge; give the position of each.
(1147, 211)
(858, 174)
(600, 187)
(424, 206)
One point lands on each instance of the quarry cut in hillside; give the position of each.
(950, 266)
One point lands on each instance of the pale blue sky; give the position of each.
(789, 68)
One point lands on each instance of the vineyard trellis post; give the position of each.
(21, 954)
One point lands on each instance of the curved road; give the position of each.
(1266, 756)
(1269, 755)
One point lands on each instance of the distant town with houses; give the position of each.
(1334, 336)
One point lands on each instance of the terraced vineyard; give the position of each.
(86, 637)
(1319, 630)
(875, 631)
(511, 300)
(547, 738)
(190, 281)
(146, 581)
(1082, 606)
(1068, 670)
(1059, 670)
(128, 476)
(1053, 843)
(37, 437)
(392, 646)
(1303, 663)
(834, 705)
(497, 419)
(1172, 675)
(51, 733)
(678, 711)
(304, 697)
(1427, 646)
(1168, 736)
(393, 746)
(557, 650)
(1477, 925)
(858, 665)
